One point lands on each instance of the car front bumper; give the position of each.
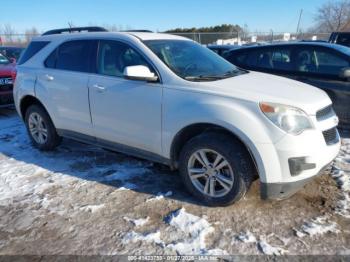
(294, 160)
(280, 191)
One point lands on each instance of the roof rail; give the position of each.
(75, 29)
(138, 31)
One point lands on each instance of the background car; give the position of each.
(323, 65)
(7, 70)
(12, 53)
(340, 38)
(221, 49)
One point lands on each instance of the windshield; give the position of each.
(3, 60)
(192, 61)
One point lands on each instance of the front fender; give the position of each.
(241, 118)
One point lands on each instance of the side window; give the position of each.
(114, 56)
(281, 59)
(305, 60)
(243, 58)
(240, 59)
(343, 39)
(33, 48)
(264, 58)
(319, 61)
(50, 61)
(275, 59)
(74, 56)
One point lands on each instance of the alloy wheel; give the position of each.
(37, 128)
(210, 173)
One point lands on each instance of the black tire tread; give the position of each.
(238, 157)
(53, 138)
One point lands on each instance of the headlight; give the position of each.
(290, 119)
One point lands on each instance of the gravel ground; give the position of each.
(85, 201)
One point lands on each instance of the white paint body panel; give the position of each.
(65, 96)
(127, 112)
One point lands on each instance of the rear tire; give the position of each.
(223, 183)
(40, 128)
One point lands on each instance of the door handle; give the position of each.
(49, 77)
(99, 88)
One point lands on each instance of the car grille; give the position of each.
(324, 113)
(331, 136)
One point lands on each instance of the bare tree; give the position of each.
(9, 33)
(244, 32)
(30, 33)
(333, 16)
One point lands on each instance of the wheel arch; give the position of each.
(192, 130)
(26, 102)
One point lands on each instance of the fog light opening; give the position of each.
(298, 164)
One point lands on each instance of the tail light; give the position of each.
(13, 75)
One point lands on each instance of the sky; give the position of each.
(159, 15)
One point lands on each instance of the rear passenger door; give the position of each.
(276, 60)
(126, 114)
(272, 60)
(63, 86)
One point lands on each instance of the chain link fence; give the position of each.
(237, 38)
(217, 38)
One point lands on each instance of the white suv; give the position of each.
(168, 99)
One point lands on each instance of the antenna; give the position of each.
(298, 26)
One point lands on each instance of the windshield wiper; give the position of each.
(203, 78)
(232, 72)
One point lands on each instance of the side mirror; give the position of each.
(13, 60)
(139, 72)
(345, 73)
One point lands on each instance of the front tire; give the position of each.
(216, 168)
(40, 128)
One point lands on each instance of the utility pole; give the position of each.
(298, 26)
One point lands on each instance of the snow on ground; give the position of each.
(341, 174)
(150, 237)
(160, 196)
(137, 222)
(196, 230)
(317, 226)
(190, 230)
(80, 199)
(268, 249)
(92, 208)
(246, 237)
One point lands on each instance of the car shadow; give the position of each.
(92, 163)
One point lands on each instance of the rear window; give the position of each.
(33, 48)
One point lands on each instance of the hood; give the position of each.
(6, 70)
(260, 87)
